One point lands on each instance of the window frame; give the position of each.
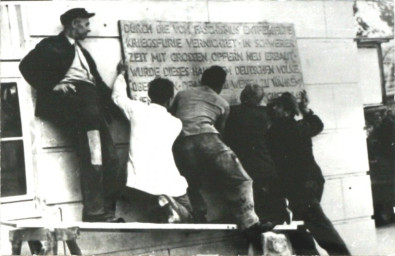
(26, 140)
(376, 44)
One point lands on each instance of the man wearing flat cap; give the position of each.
(71, 94)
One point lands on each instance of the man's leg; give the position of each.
(321, 228)
(175, 209)
(80, 112)
(114, 176)
(188, 164)
(215, 161)
(302, 242)
(144, 206)
(237, 187)
(184, 208)
(269, 205)
(88, 122)
(91, 183)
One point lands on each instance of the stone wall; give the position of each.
(328, 53)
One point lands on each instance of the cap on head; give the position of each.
(252, 95)
(67, 17)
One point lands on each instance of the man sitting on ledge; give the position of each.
(71, 94)
(152, 173)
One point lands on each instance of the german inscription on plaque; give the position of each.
(252, 53)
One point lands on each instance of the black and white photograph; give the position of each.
(197, 127)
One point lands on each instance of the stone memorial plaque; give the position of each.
(252, 53)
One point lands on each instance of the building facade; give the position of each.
(46, 160)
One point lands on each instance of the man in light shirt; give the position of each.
(151, 167)
(71, 94)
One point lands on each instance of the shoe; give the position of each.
(267, 226)
(172, 211)
(102, 218)
(115, 220)
(94, 218)
(254, 232)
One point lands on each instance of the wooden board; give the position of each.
(252, 53)
(135, 225)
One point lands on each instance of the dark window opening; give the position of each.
(13, 175)
(10, 114)
(13, 171)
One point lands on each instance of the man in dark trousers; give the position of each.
(246, 134)
(302, 180)
(71, 94)
(203, 158)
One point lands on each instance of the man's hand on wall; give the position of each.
(121, 67)
(65, 88)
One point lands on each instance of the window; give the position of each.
(376, 71)
(370, 74)
(14, 170)
(16, 107)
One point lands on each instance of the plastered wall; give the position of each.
(328, 53)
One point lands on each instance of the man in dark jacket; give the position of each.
(302, 180)
(246, 134)
(71, 93)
